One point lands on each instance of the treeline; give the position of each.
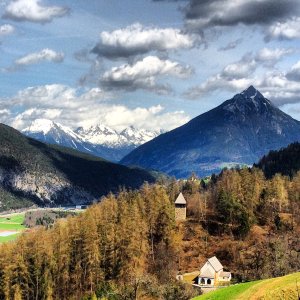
(285, 161)
(123, 248)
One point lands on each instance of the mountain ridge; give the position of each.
(238, 131)
(99, 140)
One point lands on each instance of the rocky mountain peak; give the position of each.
(248, 101)
(251, 91)
(40, 125)
(239, 131)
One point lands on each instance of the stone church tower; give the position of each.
(180, 208)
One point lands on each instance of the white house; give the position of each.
(212, 273)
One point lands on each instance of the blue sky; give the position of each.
(151, 64)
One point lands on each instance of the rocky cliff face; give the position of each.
(44, 189)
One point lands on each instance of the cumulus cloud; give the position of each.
(239, 75)
(284, 30)
(269, 56)
(215, 83)
(6, 29)
(37, 57)
(240, 69)
(211, 13)
(278, 88)
(44, 55)
(274, 85)
(231, 45)
(137, 39)
(73, 107)
(33, 11)
(143, 74)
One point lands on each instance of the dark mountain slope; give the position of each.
(239, 131)
(52, 174)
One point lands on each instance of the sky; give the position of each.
(152, 64)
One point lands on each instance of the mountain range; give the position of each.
(44, 174)
(98, 140)
(239, 131)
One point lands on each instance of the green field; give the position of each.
(281, 288)
(13, 222)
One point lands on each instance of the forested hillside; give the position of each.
(285, 161)
(250, 223)
(129, 246)
(34, 172)
(123, 248)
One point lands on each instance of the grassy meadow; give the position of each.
(280, 288)
(11, 223)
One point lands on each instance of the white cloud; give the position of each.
(278, 88)
(239, 69)
(33, 11)
(268, 55)
(286, 30)
(74, 108)
(37, 57)
(239, 75)
(143, 74)
(218, 82)
(136, 39)
(6, 29)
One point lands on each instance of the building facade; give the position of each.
(212, 274)
(180, 208)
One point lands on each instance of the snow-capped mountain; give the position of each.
(139, 137)
(105, 136)
(98, 140)
(54, 133)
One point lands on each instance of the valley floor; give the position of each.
(281, 288)
(11, 226)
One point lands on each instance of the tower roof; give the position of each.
(180, 199)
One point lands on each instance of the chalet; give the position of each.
(212, 274)
(180, 208)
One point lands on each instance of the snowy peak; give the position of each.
(40, 125)
(101, 135)
(51, 129)
(138, 136)
(94, 130)
(109, 137)
(99, 140)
